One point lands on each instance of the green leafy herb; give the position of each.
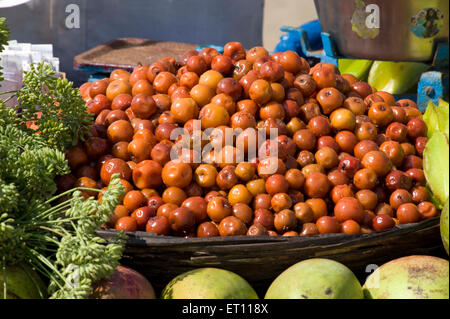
(53, 105)
(30, 165)
(61, 242)
(54, 236)
(82, 257)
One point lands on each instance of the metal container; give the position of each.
(394, 30)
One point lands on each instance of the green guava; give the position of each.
(316, 278)
(412, 277)
(208, 283)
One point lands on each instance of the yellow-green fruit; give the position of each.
(412, 277)
(316, 279)
(21, 283)
(359, 68)
(435, 165)
(208, 283)
(444, 225)
(437, 118)
(395, 77)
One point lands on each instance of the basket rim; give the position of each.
(141, 238)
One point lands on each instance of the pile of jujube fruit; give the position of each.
(349, 158)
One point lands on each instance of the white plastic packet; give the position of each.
(11, 3)
(16, 59)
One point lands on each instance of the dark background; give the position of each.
(191, 21)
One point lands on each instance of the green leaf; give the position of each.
(54, 105)
(84, 258)
(443, 117)
(22, 282)
(437, 118)
(395, 77)
(431, 119)
(436, 166)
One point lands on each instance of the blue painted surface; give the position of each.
(431, 88)
(305, 45)
(290, 40)
(329, 48)
(300, 40)
(217, 47)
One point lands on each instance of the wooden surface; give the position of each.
(129, 52)
(260, 259)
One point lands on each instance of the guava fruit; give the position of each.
(412, 277)
(22, 282)
(124, 283)
(316, 278)
(208, 283)
(436, 166)
(444, 225)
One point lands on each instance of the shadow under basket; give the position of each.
(261, 259)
